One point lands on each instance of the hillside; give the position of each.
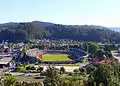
(116, 29)
(29, 30)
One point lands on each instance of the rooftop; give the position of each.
(5, 60)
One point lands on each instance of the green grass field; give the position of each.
(113, 51)
(55, 57)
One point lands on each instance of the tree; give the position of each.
(100, 53)
(107, 51)
(108, 54)
(85, 46)
(108, 74)
(62, 70)
(52, 77)
(22, 52)
(90, 68)
(93, 48)
(107, 48)
(9, 80)
(29, 46)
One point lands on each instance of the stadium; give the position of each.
(57, 56)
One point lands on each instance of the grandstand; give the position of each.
(57, 51)
(76, 53)
(35, 53)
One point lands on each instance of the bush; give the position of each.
(40, 69)
(21, 69)
(18, 68)
(82, 70)
(75, 70)
(71, 74)
(28, 84)
(30, 67)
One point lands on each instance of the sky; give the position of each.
(69, 12)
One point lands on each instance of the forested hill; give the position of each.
(24, 31)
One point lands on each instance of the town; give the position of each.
(30, 61)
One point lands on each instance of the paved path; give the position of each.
(117, 57)
(23, 74)
(67, 68)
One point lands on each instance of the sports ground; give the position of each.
(55, 57)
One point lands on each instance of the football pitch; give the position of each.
(55, 57)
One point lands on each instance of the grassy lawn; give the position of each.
(114, 51)
(28, 79)
(55, 57)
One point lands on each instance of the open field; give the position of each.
(55, 57)
(28, 79)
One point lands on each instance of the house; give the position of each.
(100, 60)
(5, 61)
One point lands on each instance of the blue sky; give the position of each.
(75, 12)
